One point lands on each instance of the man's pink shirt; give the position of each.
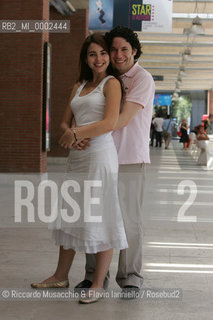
(132, 141)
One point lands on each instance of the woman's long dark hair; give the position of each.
(85, 71)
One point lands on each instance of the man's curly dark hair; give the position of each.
(126, 33)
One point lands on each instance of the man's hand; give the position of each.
(82, 145)
(67, 139)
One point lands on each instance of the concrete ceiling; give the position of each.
(163, 52)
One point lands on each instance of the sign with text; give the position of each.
(162, 99)
(139, 15)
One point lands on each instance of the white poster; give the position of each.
(139, 15)
(161, 16)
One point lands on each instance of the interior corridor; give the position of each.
(177, 254)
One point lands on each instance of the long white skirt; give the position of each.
(90, 220)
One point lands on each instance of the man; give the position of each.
(209, 129)
(132, 142)
(168, 127)
(158, 123)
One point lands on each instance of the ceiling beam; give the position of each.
(177, 61)
(191, 16)
(175, 55)
(175, 35)
(176, 44)
(202, 1)
(186, 81)
(177, 68)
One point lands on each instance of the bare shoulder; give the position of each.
(113, 81)
(112, 84)
(76, 86)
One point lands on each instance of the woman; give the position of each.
(201, 135)
(184, 135)
(95, 104)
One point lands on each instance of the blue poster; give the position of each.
(162, 99)
(101, 14)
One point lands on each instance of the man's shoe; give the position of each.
(85, 284)
(130, 292)
(53, 284)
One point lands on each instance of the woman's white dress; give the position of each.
(96, 222)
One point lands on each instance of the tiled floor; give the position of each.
(177, 255)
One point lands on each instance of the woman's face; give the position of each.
(97, 58)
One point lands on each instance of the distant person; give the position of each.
(168, 127)
(209, 124)
(201, 135)
(158, 123)
(152, 132)
(194, 130)
(184, 134)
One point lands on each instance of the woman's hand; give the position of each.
(82, 145)
(67, 139)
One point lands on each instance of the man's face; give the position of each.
(122, 55)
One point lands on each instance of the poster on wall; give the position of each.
(139, 15)
(162, 99)
(161, 17)
(101, 14)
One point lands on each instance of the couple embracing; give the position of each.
(112, 107)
